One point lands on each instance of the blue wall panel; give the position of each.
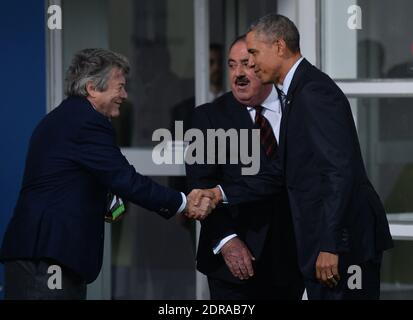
(23, 94)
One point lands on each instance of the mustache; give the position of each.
(242, 80)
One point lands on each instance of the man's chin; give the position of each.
(244, 98)
(242, 90)
(115, 114)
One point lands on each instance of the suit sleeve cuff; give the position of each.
(218, 248)
(224, 197)
(183, 205)
(329, 242)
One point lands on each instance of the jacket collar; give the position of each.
(301, 70)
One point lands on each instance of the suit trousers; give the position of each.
(253, 289)
(40, 280)
(264, 285)
(276, 273)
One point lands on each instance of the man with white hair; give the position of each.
(71, 167)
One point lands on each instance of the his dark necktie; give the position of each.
(283, 99)
(267, 137)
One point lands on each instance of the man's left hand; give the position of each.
(200, 203)
(327, 269)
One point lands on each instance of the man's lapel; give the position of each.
(240, 117)
(239, 114)
(299, 72)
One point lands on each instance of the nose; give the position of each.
(240, 70)
(124, 94)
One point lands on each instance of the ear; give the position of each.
(91, 90)
(282, 48)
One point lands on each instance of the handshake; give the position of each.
(200, 202)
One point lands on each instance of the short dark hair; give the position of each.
(275, 26)
(93, 65)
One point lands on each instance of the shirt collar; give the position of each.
(289, 77)
(93, 106)
(271, 102)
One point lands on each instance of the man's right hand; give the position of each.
(238, 258)
(200, 203)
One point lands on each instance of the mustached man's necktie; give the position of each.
(267, 137)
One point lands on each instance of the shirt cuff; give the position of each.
(183, 205)
(224, 197)
(217, 249)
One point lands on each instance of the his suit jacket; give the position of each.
(72, 164)
(334, 206)
(254, 222)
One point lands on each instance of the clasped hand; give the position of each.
(200, 203)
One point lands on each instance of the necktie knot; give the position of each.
(258, 109)
(283, 99)
(258, 114)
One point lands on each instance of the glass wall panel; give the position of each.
(386, 138)
(371, 41)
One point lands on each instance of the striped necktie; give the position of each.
(283, 99)
(267, 137)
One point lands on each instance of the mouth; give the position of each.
(242, 83)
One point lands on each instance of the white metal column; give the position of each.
(201, 21)
(304, 14)
(54, 63)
